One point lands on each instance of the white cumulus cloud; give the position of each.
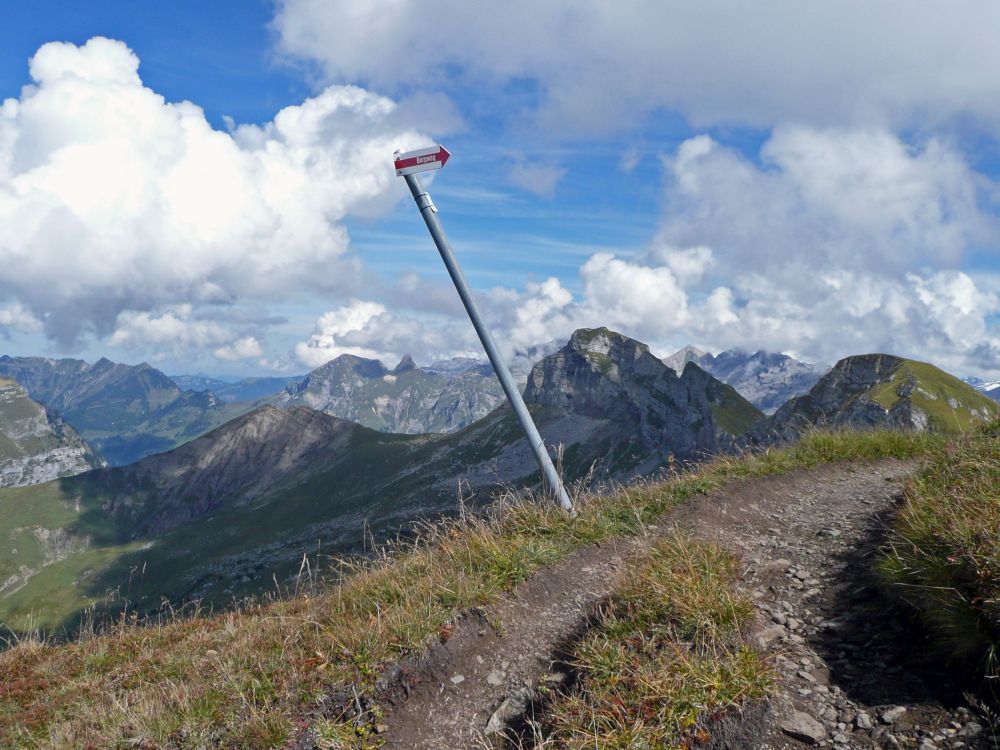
(114, 200)
(180, 332)
(245, 348)
(835, 243)
(600, 65)
(15, 317)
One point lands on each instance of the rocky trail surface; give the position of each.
(853, 669)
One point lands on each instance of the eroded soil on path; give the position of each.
(853, 674)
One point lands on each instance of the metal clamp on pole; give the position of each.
(434, 157)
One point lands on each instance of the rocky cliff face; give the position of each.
(881, 390)
(765, 379)
(655, 413)
(406, 399)
(35, 447)
(457, 366)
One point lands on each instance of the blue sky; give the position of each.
(805, 185)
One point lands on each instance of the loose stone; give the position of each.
(803, 727)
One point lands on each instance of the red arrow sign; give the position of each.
(432, 157)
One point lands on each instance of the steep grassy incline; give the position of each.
(880, 390)
(254, 676)
(948, 404)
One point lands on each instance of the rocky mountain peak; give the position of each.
(405, 365)
(592, 372)
(601, 374)
(364, 367)
(682, 356)
(607, 343)
(406, 399)
(766, 379)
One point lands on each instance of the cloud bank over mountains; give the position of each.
(118, 208)
(836, 242)
(860, 223)
(841, 235)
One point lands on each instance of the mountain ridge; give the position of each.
(222, 515)
(879, 389)
(124, 411)
(766, 379)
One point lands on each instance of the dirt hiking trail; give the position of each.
(852, 672)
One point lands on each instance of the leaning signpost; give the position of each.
(434, 157)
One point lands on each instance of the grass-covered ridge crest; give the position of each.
(246, 678)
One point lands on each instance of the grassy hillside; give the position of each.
(248, 677)
(945, 550)
(950, 404)
(881, 391)
(235, 551)
(732, 412)
(668, 650)
(344, 495)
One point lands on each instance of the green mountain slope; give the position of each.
(882, 390)
(233, 511)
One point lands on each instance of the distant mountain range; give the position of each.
(990, 387)
(236, 506)
(766, 379)
(236, 389)
(124, 411)
(127, 412)
(223, 514)
(406, 399)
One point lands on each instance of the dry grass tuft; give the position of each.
(944, 555)
(667, 653)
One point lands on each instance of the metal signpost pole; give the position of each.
(419, 161)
